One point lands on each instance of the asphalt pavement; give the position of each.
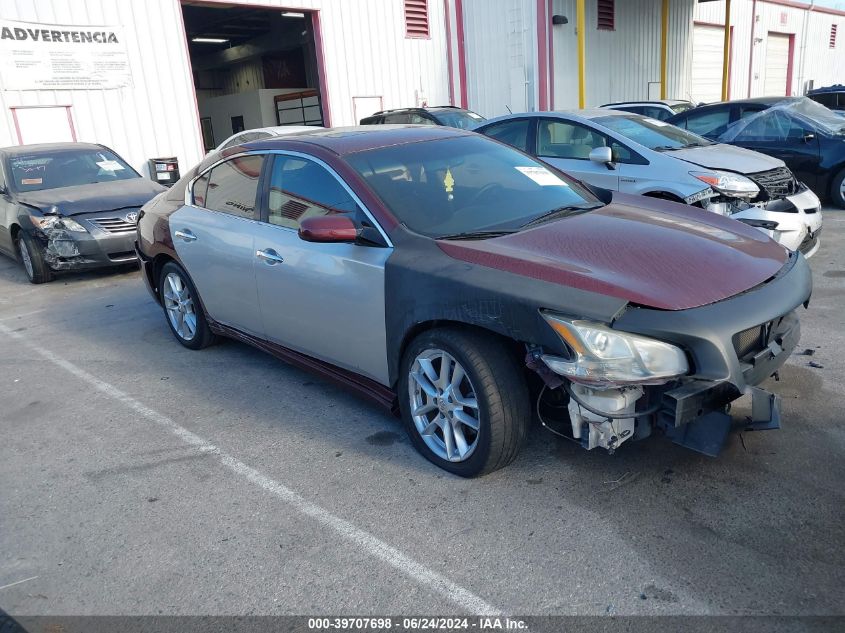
(138, 477)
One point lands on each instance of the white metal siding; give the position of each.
(156, 116)
(623, 64)
(500, 40)
(707, 59)
(365, 50)
(813, 59)
(777, 64)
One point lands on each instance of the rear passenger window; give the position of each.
(514, 133)
(231, 187)
(710, 124)
(301, 188)
(656, 113)
(397, 119)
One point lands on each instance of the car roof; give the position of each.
(577, 115)
(285, 129)
(758, 100)
(834, 88)
(348, 140)
(441, 108)
(667, 102)
(46, 148)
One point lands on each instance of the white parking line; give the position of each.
(12, 584)
(371, 544)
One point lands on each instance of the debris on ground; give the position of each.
(815, 364)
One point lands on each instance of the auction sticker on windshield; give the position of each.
(542, 176)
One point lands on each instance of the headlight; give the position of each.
(57, 222)
(605, 357)
(728, 183)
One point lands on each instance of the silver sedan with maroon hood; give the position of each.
(468, 287)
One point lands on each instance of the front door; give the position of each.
(567, 146)
(324, 300)
(214, 238)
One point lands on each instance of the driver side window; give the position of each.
(771, 126)
(301, 188)
(561, 139)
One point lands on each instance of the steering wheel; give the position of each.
(486, 190)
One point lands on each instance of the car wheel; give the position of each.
(463, 400)
(182, 308)
(837, 189)
(32, 258)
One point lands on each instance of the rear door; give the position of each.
(214, 238)
(779, 134)
(323, 300)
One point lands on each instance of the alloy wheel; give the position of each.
(180, 308)
(444, 406)
(26, 258)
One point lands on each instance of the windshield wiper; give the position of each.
(474, 235)
(559, 212)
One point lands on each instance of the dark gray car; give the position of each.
(68, 206)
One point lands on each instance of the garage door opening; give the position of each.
(253, 68)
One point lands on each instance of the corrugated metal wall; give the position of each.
(156, 116)
(502, 53)
(813, 59)
(364, 44)
(500, 39)
(623, 64)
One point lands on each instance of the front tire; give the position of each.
(837, 189)
(463, 401)
(32, 257)
(182, 308)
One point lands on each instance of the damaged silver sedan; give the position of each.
(69, 206)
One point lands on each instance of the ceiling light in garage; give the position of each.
(209, 40)
(292, 14)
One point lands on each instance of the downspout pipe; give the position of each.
(726, 51)
(664, 48)
(582, 83)
(751, 48)
(801, 76)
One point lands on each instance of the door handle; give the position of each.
(270, 257)
(186, 235)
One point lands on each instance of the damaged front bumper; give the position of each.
(794, 221)
(733, 346)
(96, 247)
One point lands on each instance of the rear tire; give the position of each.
(837, 189)
(481, 380)
(32, 257)
(182, 308)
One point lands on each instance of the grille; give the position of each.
(749, 342)
(777, 183)
(115, 225)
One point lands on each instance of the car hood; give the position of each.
(729, 157)
(650, 252)
(97, 197)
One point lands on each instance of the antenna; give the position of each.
(508, 109)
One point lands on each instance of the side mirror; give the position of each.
(809, 136)
(328, 228)
(603, 156)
